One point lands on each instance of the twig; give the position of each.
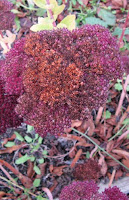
(118, 110)
(123, 135)
(51, 14)
(77, 156)
(124, 116)
(100, 148)
(20, 187)
(7, 174)
(112, 178)
(123, 31)
(99, 115)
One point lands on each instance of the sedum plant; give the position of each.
(61, 75)
(85, 190)
(6, 16)
(8, 117)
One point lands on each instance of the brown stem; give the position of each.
(123, 94)
(123, 31)
(51, 14)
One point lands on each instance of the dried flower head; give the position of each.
(6, 16)
(84, 190)
(64, 74)
(8, 117)
(115, 194)
(87, 171)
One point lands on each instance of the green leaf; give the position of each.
(87, 154)
(36, 182)
(15, 11)
(118, 31)
(36, 136)
(29, 128)
(42, 4)
(45, 152)
(107, 16)
(107, 115)
(40, 12)
(22, 159)
(40, 140)
(80, 2)
(28, 139)
(41, 161)
(18, 136)
(126, 121)
(10, 144)
(68, 22)
(37, 170)
(74, 2)
(118, 86)
(94, 20)
(32, 158)
(127, 89)
(40, 27)
(17, 22)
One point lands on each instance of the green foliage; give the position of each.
(118, 86)
(95, 20)
(107, 115)
(53, 10)
(9, 144)
(107, 16)
(36, 183)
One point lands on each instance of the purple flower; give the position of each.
(6, 16)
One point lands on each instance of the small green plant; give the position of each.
(35, 152)
(118, 85)
(49, 22)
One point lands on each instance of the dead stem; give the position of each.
(123, 31)
(86, 136)
(99, 115)
(124, 116)
(123, 94)
(123, 135)
(7, 174)
(112, 178)
(51, 14)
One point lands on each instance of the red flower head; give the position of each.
(6, 16)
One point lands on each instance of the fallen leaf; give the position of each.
(58, 171)
(103, 164)
(126, 162)
(77, 156)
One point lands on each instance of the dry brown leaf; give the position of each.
(126, 162)
(72, 152)
(6, 41)
(58, 171)
(103, 164)
(77, 156)
(120, 3)
(13, 148)
(110, 146)
(120, 152)
(119, 174)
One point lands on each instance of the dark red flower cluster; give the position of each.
(115, 194)
(63, 74)
(81, 190)
(8, 117)
(13, 67)
(87, 171)
(85, 190)
(6, 16)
